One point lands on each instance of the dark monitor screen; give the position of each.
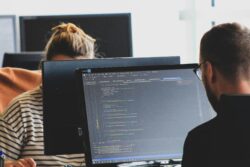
(62, 119)
(140, 113)
(26, 60)
(112, 32)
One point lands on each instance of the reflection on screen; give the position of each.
(142, 115)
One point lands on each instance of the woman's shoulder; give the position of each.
(28, 100)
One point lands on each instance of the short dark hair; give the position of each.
(227, 47)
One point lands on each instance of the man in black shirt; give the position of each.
(225, 72)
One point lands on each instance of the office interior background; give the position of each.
(159, 27)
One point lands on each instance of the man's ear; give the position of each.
(210, 72)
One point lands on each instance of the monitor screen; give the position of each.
(112, 32)
(26, 60)
(140, 113)
(62, 119)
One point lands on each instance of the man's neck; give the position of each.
(240, 87)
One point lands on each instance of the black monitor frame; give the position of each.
(62, 118)
(88, 155)
(113, 32)
(26, 60)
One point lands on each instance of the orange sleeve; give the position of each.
(14, 81)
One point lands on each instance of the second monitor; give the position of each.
(62, 119)
(112, 31)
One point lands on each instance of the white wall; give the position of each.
(7, 36)
(156, 25)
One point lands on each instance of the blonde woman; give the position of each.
(21, 127)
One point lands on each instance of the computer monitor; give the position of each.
(140, 113)
(62, 119)
(112, 31)
(26, 60)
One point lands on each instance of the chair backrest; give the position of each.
(26, 60)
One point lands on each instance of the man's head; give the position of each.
(225, 58)
(69, 42)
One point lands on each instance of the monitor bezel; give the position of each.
(79, 72)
